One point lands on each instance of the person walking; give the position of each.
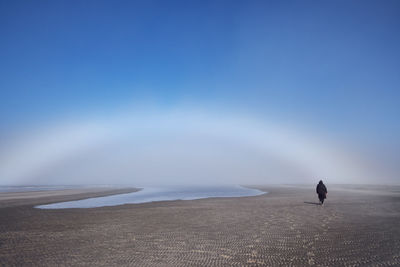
(321, 191)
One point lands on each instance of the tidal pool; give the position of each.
(152, 194)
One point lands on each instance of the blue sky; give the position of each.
(327, 66)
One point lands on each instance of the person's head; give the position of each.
(320, 181)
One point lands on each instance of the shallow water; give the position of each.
(152, 194)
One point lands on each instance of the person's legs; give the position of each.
(321, 199)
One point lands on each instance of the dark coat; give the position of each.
(321, 189)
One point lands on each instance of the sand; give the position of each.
(358, 226)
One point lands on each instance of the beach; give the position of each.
(357, 226)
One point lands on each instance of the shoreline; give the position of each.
(158, 194)
(33, 198)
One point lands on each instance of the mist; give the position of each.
(180, 146)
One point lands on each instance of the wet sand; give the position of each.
(358, 226)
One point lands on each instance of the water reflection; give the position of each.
(157, 194)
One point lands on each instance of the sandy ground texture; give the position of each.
(358, 226)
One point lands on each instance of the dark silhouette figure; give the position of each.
(321, 191)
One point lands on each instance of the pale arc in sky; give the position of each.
(31, 155)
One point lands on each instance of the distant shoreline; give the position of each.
(49, 194)
(32, 198)
(159, 194)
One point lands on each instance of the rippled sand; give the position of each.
(356, 227)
